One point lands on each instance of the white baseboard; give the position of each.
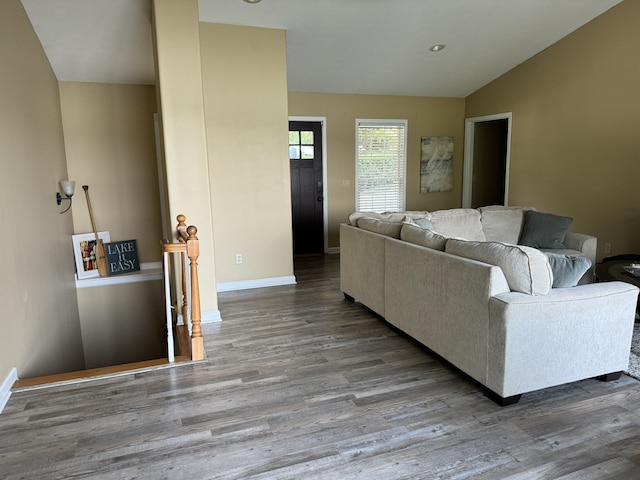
(212, 316)
(5, 388)
(259, 283)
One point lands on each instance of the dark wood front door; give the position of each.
(307, 190)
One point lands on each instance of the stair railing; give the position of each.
(187, 247)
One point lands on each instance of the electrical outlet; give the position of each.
(346, 183)
(607, 248)
(238, 258)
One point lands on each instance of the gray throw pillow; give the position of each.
(424, 223)
(544, 230)
(567, 269)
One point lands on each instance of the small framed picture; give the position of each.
(84, 251)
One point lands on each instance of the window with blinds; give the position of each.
(381, 151)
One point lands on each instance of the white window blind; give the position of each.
(381, 151)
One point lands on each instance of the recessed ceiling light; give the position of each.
(252, 1)
(435, 48)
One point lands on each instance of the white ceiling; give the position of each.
(337, 46)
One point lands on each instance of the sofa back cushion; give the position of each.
(388, 216)
(383, 227)
(502, 224)
(458, 223)
(413, 233)
(526, 269)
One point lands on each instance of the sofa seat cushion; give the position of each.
(458, 223)
(526, 269)
(567, 269)
(564, 251)
(544, 230)
(502, 224)
(418, 235)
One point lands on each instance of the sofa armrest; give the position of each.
(567, 335)
(362, 266)
(588, 246)
(582, 243)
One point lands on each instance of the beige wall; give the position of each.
(245, 91)
(39, 325)
(110, 143)
(122, 323)
(180, 96)
(427, 116)
(576, 119)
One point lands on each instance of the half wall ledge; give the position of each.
(148, 272)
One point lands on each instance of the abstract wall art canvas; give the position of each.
(436, 164)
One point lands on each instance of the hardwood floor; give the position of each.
(302, 384)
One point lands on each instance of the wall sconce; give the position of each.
(69, 188)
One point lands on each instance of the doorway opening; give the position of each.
(307, 160)
(487, 152)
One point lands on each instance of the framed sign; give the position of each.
(122, 257)
(84, 252)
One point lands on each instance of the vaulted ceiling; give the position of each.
(336, 46)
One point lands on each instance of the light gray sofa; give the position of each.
(504, 326)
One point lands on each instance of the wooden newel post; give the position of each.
(187, 246)
(193, 252)
(181, 228)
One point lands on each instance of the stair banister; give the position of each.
(187, 247)
(167, 302)
(193, 252)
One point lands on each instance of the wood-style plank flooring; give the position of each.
(302, 384)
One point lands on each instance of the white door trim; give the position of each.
(325, 203)
(469, 132)
(5, 387)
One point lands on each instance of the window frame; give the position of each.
(401, 177)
